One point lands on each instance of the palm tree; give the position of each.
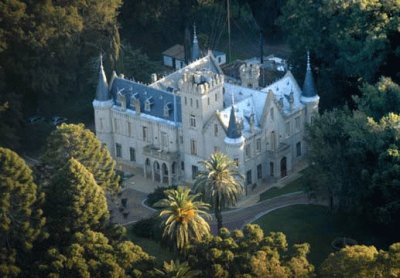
(220, 182)
(182, 216)
(176, 270)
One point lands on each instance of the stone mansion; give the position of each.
(168, 126)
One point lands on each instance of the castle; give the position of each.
(168, 126)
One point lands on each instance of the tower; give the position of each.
(309, 96)
(201, 94)
(234, 141)
(102, 110)
(249, 75)
(195, 48)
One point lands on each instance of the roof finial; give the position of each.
(195, 46)
(102, 86)
(308, 60)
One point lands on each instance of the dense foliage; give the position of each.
(352, 41)
(21, 216)
(74, 141)
(363, 261)
(248, 253)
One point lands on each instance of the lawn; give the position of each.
(294, 186)
(152, 247)
(317, 226)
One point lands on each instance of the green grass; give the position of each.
(294, 186)
(152, 247)
(317, 226)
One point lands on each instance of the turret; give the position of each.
(102, 86)
(233, 131)
(249, 75)
(102, 105)
(195, 48)
(309, 96)
(234, 140)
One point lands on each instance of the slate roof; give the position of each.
(177, 51)
(233, 131)
(308, 85)
(102, 86)
(159, 99)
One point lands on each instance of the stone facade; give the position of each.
(170, 125)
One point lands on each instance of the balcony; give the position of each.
(156, 152)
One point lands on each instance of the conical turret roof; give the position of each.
(234, 131)
(308, 85)
(195, 47)
(102, 86)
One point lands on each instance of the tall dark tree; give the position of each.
(74, 141)
(21, 218)
(74, 201)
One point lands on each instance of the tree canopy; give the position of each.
(363, 261)
(74, 202)
(183, 218)
(220, 183)
(74, 141)
(21, 216)
(248, 253)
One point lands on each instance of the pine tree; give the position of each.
(21, 219)
(71, 140)
(74, 202)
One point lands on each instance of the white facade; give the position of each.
(171, 125)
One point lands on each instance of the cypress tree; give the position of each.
(71, 140)
(21, 219)
(74, 201)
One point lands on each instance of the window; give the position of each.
(297, 123)
(236, 160)
(193, 147)
(116, 125)
(197, 103)
(271, 169)
(271, 113)
(258, 145)
(144, 132)
(273, 140)
(208, 101)
(185, 100)
(132, 154)
(148, 103)
(118, 150)
(219, 60)
(182, 166)
(216, 96)
(287, 129)
(248, 150)
(181, 139)
(298, 149)
(248, 177)
(192, 120)
(129, 129)
(191, 102)
(215, 129)
(164, 139)
(167, 109)
(259, 171)
(195, 170)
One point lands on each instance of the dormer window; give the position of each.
(167, 109)
(148, 103)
